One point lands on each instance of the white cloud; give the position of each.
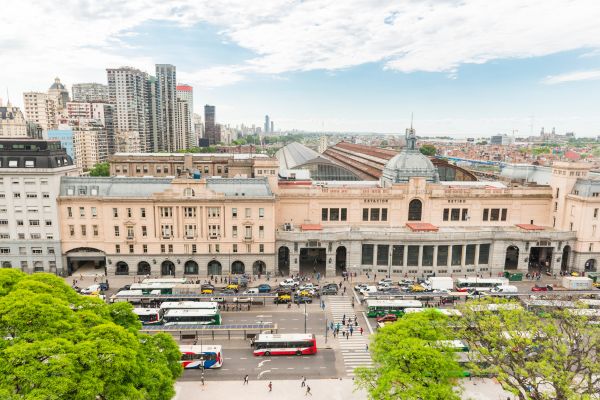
(573, 77)
(77, 40)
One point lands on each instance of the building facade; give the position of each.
(90, 92)
(30, 172)
(157, 226)
(12, 122)
(89, 143)
(166, 93)
(186, 137)
(60, 93)
(210, 128)
(41, 108)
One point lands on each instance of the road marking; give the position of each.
(243, 358)
(294, 319)
(291, 368)
(322, 367)
(368, 324)
(264, 316)
(228, 358)
(306, 368)
(263, 372)
(260, 364)
(275, 368)
(224, 369)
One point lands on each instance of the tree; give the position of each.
(553, 355)
(428, 150)
(56, 344)
(409, 364)
(102, 169)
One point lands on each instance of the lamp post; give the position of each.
(304, 316)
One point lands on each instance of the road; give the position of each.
(291, 321)
(239, 362)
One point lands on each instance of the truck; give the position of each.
(577, 283)
(441, 283)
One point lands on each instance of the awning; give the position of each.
(422, 227)
(311, 227)
(530, 227)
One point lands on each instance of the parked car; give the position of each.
(330, 285)
(329, 291)
(207, 289)
(251, 291)
(545, 288)
(302, 299)
(383, 287)
(385, 281)
(387, 318)
(264, 288)
(93, 289)
(104, 286)
(305, 292)
(218, 299)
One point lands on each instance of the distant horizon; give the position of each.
(465, 68)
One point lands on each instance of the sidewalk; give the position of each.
(324, 389)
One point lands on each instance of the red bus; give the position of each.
(285, 344)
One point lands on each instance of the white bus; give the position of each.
(189, 305)
(284, 344)
(479, 284)
(175, 281)
(192, 317)
(378, 308)
(149, 316)
(204, 356)
(450, 312)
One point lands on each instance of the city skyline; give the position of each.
(462, 68)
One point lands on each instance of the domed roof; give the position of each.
(57, 85)
(409, 163)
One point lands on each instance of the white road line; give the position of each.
(291, 368)
(368, 324)
(243, 358)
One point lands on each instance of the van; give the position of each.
(251, 291)
(369, 289)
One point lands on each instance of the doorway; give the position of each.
(340, 260)
(540, 259)
(313, 260)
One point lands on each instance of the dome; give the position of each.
(57, 85)
(409, 163)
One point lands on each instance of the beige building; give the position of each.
(41, 108)
(89, 143)
(128, 142)
(207, 164)
(163, 227)
(12, 122)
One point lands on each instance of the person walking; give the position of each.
(347, 336)
(351, 330)
(270, 386)
(361, 330)
(303, 382)
(246, 380)
(366, 347)
(307, 391)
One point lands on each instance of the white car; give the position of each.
(309, 286)
(360, 286)
(288, 283)
(90, 289)
(386, 280)
(382, 287)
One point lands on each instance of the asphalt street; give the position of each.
(239, 362)
(291, 321)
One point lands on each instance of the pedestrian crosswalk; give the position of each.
(353, 347)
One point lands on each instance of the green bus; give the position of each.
(378, 308)
(191, 316)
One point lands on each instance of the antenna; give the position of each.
(411, 120)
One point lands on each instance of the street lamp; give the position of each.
(304, 316)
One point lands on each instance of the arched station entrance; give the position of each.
(86, 260)
(340, 260)
(214, 268)
(512, 258)
(238, 267)
(283, 261)
(167, 268)
(259, 268)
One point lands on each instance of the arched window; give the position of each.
(189, 192)
(214, 268)
(590, 265)
(238, 267)
(511, 261)
(122, 268)
(167, 268)
(259, 268)
(190, 268)
(143, 268)
(415, 208)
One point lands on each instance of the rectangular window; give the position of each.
(143, 212)
(261, 213)
(166, 231)
(95, 230)
(115, 213)
(82, 211)
(412, 259)
(248, 212)
(144, 231)
(343, 214)
(117, 231)
(69, 212)
(427, 257)
(45, 195)
(31, 195)
(34, 222)
(397, 255)
(324, 214)
(484, 253)
(365, 216)
(495, 214)
(470, 255)
(234, 213)
(190, 231)
(248, 234)
(455, 214)
(383, 254)
(170, 248)
(465, 214)
(94, 212)
(486, 213)
(374, 214)
(72, 230)
(214, 231)
(129, 213)
(442, 256)
(384, 212)
(367, 254)
(595, 213)
(83, 230)
(503, 216)
(248, 248)
(457, 254)
(144, 248)
(163, 248)
(334, 214)
(234, 248)
(166, 212)
(190, 212)
(194, 249)
(130, 232)
(117, 248)
(261, 232)
(131, 249)
(234, 231)
(261, 248)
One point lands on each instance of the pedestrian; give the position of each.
(303, 382)
(307, 391)
(246, 380)
(361, 330)
(270, 386)
(366, 347)
(202, 379)
(351, 330)
(347, 336)
(355, 322)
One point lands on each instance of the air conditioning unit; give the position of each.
(287, 227)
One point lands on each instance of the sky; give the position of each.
(463, 67)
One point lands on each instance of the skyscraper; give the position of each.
(185, 128)
(41, 108)
(129, 91)
(166, 83)
(210, 128)
(267, 124)
(88, 92)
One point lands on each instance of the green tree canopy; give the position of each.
(409, 365)
(56, 344)
(102, 169)
(543, 356)
(428, 150)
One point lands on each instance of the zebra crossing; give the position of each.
(353, 348)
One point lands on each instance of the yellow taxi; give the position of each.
(417, 288)
(207, 291)
(233, 286)
(305, 293)
(283, 298)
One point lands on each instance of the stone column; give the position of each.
(463, 254)
(435, 253)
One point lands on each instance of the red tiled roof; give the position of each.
(530, 227)
(422, 227)
(311, 227)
